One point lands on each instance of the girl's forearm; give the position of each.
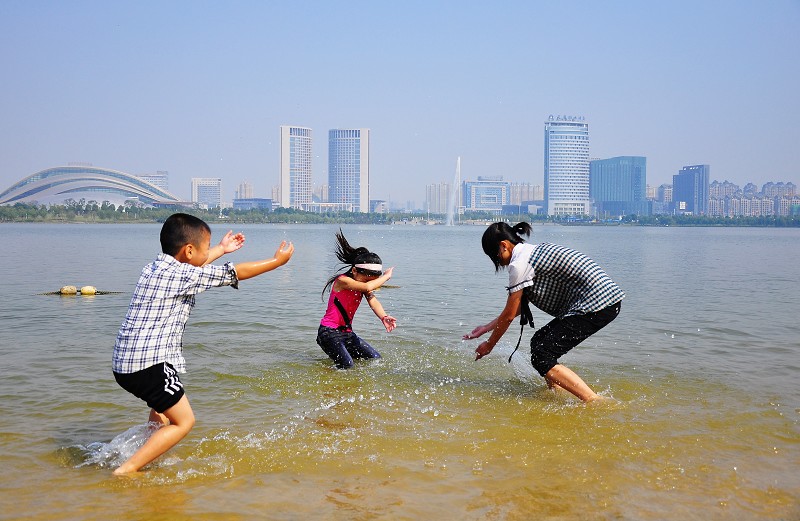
(499, 325)
(498, 328)
(377, 283)
(377, 308)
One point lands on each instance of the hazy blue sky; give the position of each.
(200, 88)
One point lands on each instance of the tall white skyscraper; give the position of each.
(296, 186)
(566, 166)
(207, 191)
(348, 167)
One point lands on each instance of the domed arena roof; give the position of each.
(61, 183)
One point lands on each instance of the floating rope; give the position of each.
(85, 290)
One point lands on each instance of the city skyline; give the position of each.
(617, 188)
(200, 90)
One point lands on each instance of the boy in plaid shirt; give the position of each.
(147, 353)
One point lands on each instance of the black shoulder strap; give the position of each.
(525, 317)
(343, 312)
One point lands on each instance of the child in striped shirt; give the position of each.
(561, 282)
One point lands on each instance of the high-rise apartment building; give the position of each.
(618, 186)
(664, 193)
(207, 192)
(779, 189)
(566, 166)
(348, 167)
(690, 189)
(245, 190)
(522, 192)
(320, 193)
(439, 197)
(296, 186)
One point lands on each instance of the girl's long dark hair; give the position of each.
(502, 232)
(349, 256)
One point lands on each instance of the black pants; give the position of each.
(563, 333)
(344, 346)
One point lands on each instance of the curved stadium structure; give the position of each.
(58, 184)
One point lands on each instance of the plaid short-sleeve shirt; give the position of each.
(562, 281)
(152, 331)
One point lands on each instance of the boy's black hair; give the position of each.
(501, 231)
(350, 256)
(181, 229)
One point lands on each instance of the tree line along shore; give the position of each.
(108, 213)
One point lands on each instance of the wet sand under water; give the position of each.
(390, 442)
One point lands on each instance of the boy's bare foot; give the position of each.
(120, 471)
(604, 400)
(130, 474)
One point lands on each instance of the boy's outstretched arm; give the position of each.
(246, 270)
(229, 244)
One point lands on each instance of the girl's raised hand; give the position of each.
(475, 333)
(389, 323)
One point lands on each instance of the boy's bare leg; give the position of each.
(157, 417)
(180, 421)
(563, 377)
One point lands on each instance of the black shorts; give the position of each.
(157, 385)
(563, 333)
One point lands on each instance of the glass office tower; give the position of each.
(618, 186)
(566, 166)
(690, 189)
(295, 187)
(348, 167)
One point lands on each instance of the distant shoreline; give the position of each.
(92, 213)
(789, 223)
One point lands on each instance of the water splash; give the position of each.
(119, 449)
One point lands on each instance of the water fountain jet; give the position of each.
(452, 206)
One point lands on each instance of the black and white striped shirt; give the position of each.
(563, 281)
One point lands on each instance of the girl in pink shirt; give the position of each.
(363, 274)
